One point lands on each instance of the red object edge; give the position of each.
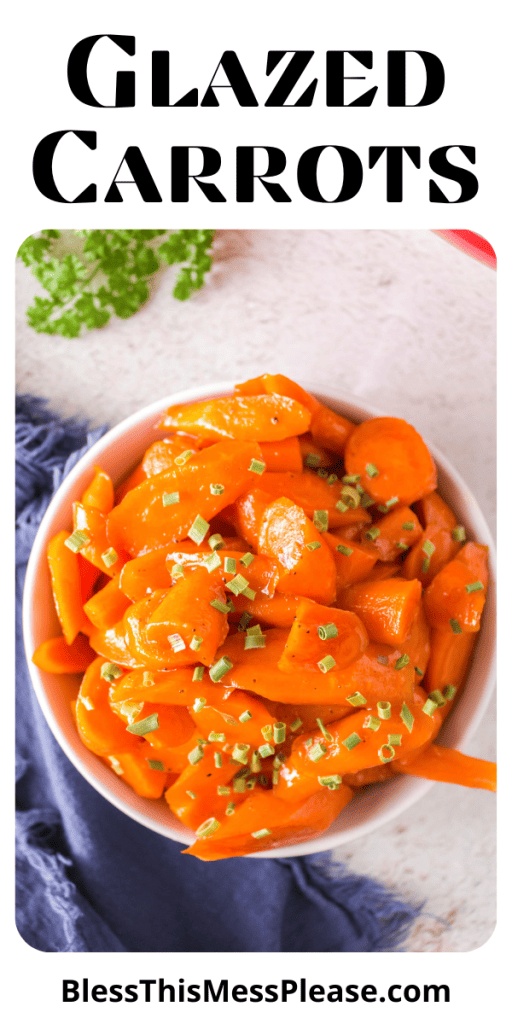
(472, 244)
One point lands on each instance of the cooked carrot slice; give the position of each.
(285, 534)
(174, 724)
(98, 549)
(136, 477)
(328, 428)
(227, 715)
(241, 418)
(194, 796)
(186, 613)
(56, 655)
(314, 456)
(99, 727)
(443, 764)
(386, 607)
(430, 554)
(280, 610)
(106, 607)
(66, 587)
(319, 633)
(391, 459)
(100, 492)
(433, 510)
(393, 534)
(456, 597)
(312, 492)
(353, 561)
(167, 686)
(450, 654)
(160, 456)
(135, 770)
(282, 456)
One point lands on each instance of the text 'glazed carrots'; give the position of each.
(275, 608)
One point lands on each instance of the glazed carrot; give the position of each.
(173, 725)
(391, 459)
(160, 456)
(97, 549)
(315, 457)
(194, 796)
(446, 765)
(249, 509)
(456, 597)
(393, 534)
(387, 607)
(433, 510)
(383, 571)
(56, 655)
(450, 654)
(287, 535)
(352, 560)
(90, 577)
(430, 554)
(132, 480)
(112, 644)
(228, 716)
(231, 568)
(99, 727)
(312, 492)
(106, 607)
(167, 686)
(149, 653)
(100, 492)
(282, 456)
(262, 813)
(280, 610)
(66, 586)
(188, 613)
(328, 428)
(254, 386)
(241, 418)
(142, 522)
(319, 633)
(307, 714)
(140, 576)
(367, 776)
(134, 769)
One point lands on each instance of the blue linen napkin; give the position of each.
(89, 879)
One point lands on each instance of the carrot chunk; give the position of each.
(319, 633)
(241, 418)
(456, 597)
(56, 655)
(66, 587)
(391, 459)
(286, 534)
(386, 607)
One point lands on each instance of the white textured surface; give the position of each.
(397, 317)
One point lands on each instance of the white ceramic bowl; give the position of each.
(117, 452)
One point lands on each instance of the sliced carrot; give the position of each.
(167, 686)
(99, 727)
(107, 606)
(386, 607)
(194, 796)
(315, 457)
(66, 587)
(433, 510)
(135, 770)
(456, 597)
(89, 521)
(352, 560)
(391, 459)
(241, 418)
(328, 428)
(282, 456)
(254, 386)
(313, 492)
(248, 512)
(430, 554)
(223, 716)
(443, 764)
(280, 610)
(393, 534)
(136, 477)
(285, 534)
(160, 456)
(100, 492)
(56, 655)
(383, 571)
(307, 647)
(187, 614)
(174, 726)
(450, 654)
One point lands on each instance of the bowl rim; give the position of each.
(354, 407)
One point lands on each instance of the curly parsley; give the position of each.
(110, 275)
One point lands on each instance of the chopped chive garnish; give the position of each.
(382, 659)
(313, 545)
(401, 546)
(249, 594)
(177, 571)
(391, 501)
(216, 488)
(372, 723)
(275, 777)
(428, 548)
(261, 833)
(267, 732)
(245, 619)
(217, 759)
(239, 785)
(207, 828)
(255, 630)
(371, 469)
(191, 794)
(402, 661)
(251, 783)
(198, 530)
(321, 519)
(316, 752)
(212, 561)
(296, 724)
(238, 584)
(130, 709)
(383, 509)
(148, 679)
(327, 631)
(395, 739)
(266, 750)
(326, 664)
(245, 716)
(109, 671)
(223, 790)
(438, 697)
(257, 640)
(195, 643)
(459, 533)
(351, 479)
(200, 702)
(386, 753)
(340, 506)
(323, 730)
(77, 540)
(356, 699)
(384, 709)
(216, 542)
(279, 729)
(157, 766)
(408, 525)
(220, 668)
(247, 559)
(456, 626)
(312, 460)
(257, 467)
(170, 498)
(425, 565)
(198, 674)
(278, 760)
(195, 755)
(231, 808)
(372, 533)
(230, 565)
(255, 762)
(350, 496)
(220, 606)
(240, 752)
(429, 707)
(216, 737)
(177, 642)
(330, 781)
(308, 743)
(419, 671)
(322, 473)
(407, 717)
(449, 692)
(183, 457)
(115, 764)
(352, 741)
(343, 550)
(471, 587)
(366, 501)
(149, 724)
(110, 556)
(331, 479)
